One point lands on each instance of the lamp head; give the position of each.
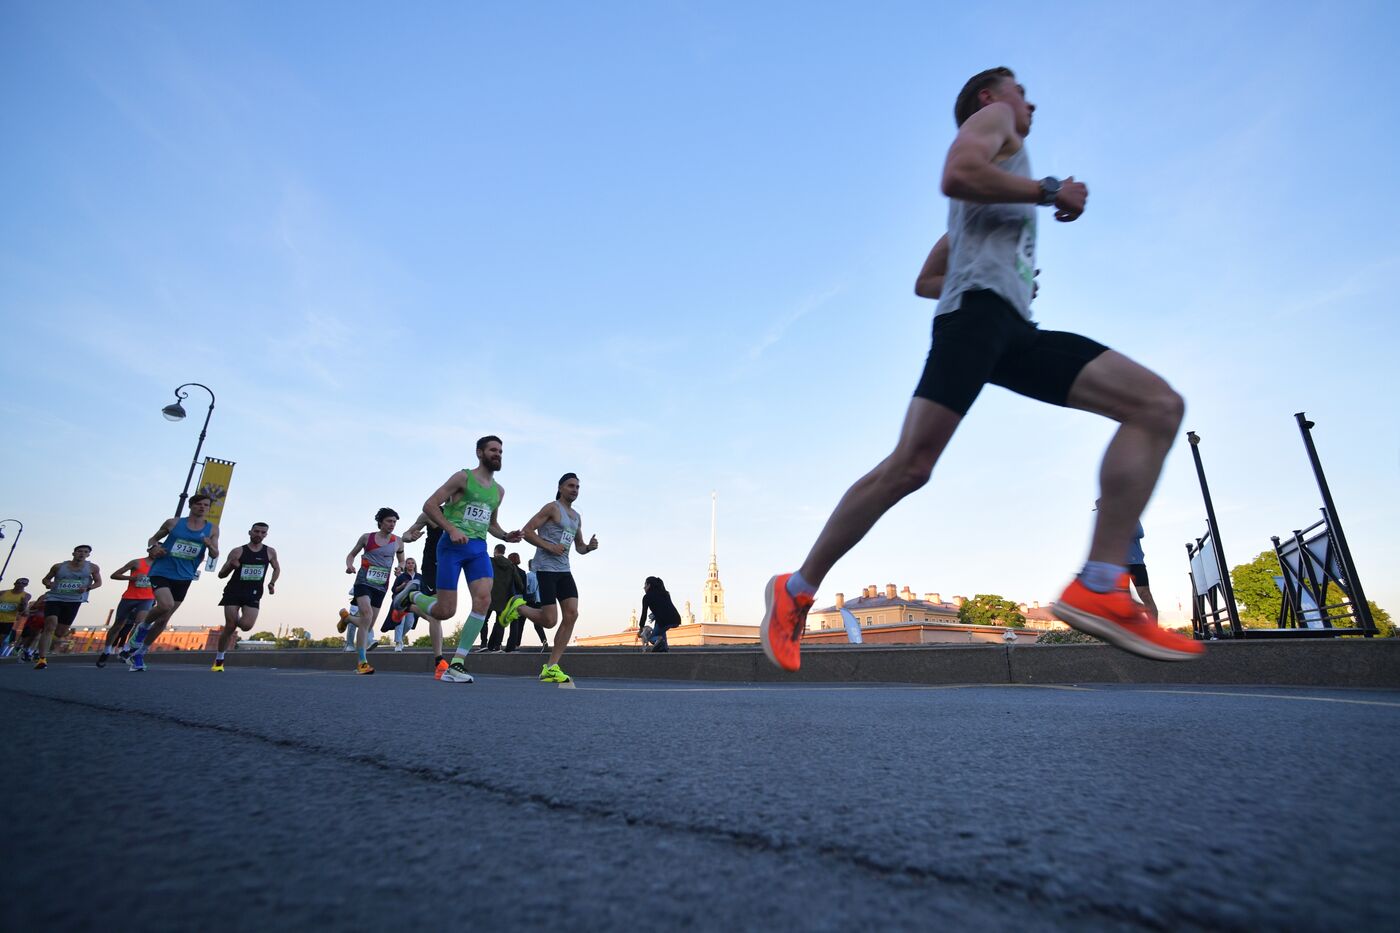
(173, 412)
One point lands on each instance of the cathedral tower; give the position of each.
(714, 590)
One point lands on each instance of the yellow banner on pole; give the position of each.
(213, 482)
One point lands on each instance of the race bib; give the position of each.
(1025, 251)
(68, 586)
(252, 572)
(566, 538)
(185, 550)
(477, 513)
(141, 583)
(377, 576)
(9, 607)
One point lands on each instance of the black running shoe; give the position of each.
(102, 660)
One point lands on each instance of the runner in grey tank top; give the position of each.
(562, 529)
(371, 580)
(983, 273)
(556, 526)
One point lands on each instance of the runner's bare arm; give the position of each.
(399, 557)
(432, 507)
(49, 577)
(929, 284)
(350, 558)
(211, 541)
(579, 546)
(160, 534)
(231, 564)
(531, 530)
(95, 572)
(276, 570)
(496, 529)
(124, 571)
(415, 531)
(971, 173)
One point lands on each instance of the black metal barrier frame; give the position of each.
(1307, 574)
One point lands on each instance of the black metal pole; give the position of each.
(1358, 595)
(1236, 629)
(12, 545)
(189, 477)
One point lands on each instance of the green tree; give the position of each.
(1382, 620)
(1259, 597)
(990, 609)
(423, 641)
(262, 636)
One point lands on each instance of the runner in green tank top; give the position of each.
(466, 508)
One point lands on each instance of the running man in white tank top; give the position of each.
(983, 333)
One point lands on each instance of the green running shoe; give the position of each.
(511, 612)
(553, 674)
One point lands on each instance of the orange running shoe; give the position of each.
(363, 668)
(441, 669)
(1119, 620)
(784, 620)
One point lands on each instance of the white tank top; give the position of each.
(992, 247)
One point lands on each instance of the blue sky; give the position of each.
(671, 247)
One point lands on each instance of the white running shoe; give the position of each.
(457, 675)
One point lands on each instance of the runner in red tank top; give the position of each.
(135, 604)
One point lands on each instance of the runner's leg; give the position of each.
(566, 629)
(928, 426)
(1149, 414)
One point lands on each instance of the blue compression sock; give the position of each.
(1101, 577)
(797, 586)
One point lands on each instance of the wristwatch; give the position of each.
(1049, 190)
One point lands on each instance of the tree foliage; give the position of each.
(991, 609)
(262, 636)
(1259, 598)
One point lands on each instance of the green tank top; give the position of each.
(470, 510)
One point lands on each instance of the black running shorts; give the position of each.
(177, 588)
(375, 594)
(986, 340)
(1139, 574)
(65, 612)
(556, 586)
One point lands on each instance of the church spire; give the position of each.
(714, 590)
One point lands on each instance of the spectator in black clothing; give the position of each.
(507, 581)
(663, 612)
(530, 591)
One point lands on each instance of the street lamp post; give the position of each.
(3, 523)
(176, 412)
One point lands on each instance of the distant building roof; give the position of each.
(861, 603)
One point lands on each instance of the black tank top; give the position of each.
(248, 579)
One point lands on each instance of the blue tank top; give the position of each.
(184, 550)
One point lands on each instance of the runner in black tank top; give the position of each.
(247, 569)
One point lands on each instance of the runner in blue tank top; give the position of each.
(383, 553)
(183, 543)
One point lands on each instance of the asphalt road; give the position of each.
(267, 800)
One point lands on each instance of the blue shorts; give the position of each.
(452, 558)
